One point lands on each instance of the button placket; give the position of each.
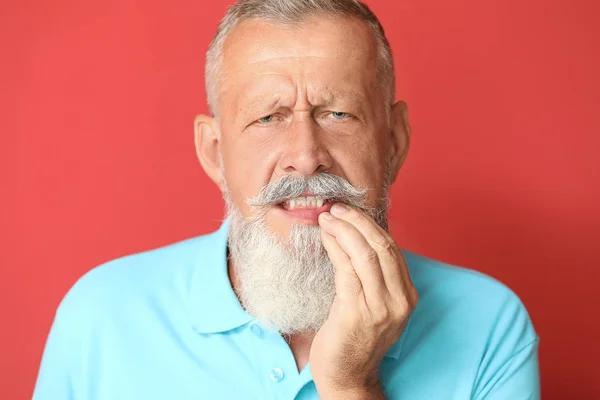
(276, 375)
(274, 360)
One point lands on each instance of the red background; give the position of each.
(97, 157)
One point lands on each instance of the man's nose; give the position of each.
(305, 152)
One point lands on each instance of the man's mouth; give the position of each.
(304, 202)
(305, 209)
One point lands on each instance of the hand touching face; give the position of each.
(374, 300)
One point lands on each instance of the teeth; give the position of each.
(309, 201)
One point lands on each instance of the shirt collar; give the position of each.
(214, 305)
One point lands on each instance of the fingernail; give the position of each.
(326, 215)
(338, 208)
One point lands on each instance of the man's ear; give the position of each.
(208, 150)
(400, 137)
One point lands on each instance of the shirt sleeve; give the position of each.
(509, 366)
(61, 365)
(517, 378)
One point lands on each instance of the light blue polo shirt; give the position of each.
(165, 324)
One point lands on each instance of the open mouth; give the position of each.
(305, 209)
(304, 203)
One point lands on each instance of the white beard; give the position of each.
(287, 284)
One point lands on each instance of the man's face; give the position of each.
(301, 100)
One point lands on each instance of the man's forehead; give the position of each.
(257, 41)
(330, 53)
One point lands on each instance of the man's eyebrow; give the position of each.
(259, 101)
(324, 98)
(351, 95)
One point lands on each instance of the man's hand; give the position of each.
(374, 300)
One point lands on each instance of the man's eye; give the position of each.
(266, 120)
(339, 115)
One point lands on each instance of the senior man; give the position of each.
(302, 293)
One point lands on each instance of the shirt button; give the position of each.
(276, 375)
(257, 330)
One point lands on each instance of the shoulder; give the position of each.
(440, 282)
(468, 305)
(133, 281)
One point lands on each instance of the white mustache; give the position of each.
(325, 185)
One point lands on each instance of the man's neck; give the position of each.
(300, 344)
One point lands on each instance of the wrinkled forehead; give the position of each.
(328, 54)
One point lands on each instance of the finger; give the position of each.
(363, 257)
(393, 265)
(347, 284)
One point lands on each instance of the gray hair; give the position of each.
(290, 12)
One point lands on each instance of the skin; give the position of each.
(304, 100)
